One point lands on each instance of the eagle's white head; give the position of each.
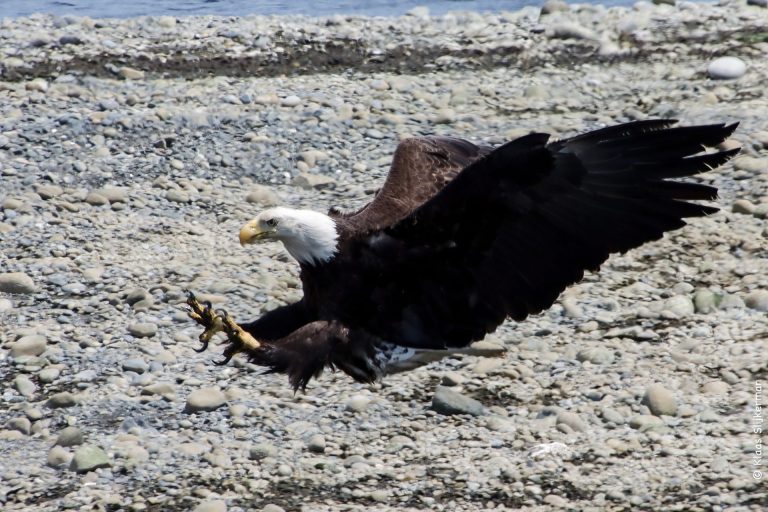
(309, 236)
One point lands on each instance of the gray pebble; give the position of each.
(70, 436)
(96, 199)
(177, 196)
(143, 329)
(61, 400)
(262, 451)
(89, 457)
(113, 194)
(310, 181)
(135, 365)
(448, 402)
(49, 191)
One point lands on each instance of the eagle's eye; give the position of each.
(271, 222)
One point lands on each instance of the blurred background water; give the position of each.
(124, 9)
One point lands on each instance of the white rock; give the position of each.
(757, 299)
(291, 101)
(726, 68)
(660, 400)
(206, 399)
(16, 282)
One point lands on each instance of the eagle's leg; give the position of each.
(205, 316)
(239, 339)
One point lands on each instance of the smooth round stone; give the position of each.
(551, 6)
(32, 345)
(24, 385)
(262, 195)
(757, 299)
(596, 355)
(705, 301)
(16, 282)
(452, 379)
(211, 506)
(113, 194)
(143, 329)
(262, 451)
(135, 365)
(22, 425)
(49, 191)
(96, 199)
(660, 400)
(316, 443)
(379, 85)
(726, 68)
(448, 402)
(572, 420)
(70, 436)
(645, 422)
(291, 101)
(61, 400)
(177, 196)
(58, 457)
(87, 458)
(357, 403)
(131, 73)
(679, 305)
(715, 387)
(38, 84)
(48, 375)
(206, 399)
(5, 304)
(136, 295)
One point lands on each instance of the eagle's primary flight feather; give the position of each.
(460, 237)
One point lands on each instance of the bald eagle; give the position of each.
(461, 237)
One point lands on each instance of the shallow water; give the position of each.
(119, 9)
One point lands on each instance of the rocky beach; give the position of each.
(132, 150)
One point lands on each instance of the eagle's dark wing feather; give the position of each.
(421, 167)
(517, 226)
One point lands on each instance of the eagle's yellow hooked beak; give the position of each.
(251, 232)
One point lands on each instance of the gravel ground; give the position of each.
(131, 151)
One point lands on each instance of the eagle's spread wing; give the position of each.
(520, 224)
(421, 167)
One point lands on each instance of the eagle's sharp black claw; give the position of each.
(225, 361)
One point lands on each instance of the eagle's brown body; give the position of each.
(461, 237)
